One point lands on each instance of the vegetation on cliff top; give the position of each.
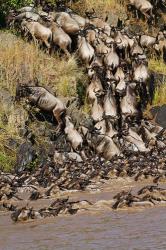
(6, 5)
(100, 6)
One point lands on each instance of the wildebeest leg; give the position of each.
(83, 155)
(47, 45)
(52, 49)
(66, 52)
(146, 14)
(35, 40)
(151, 87)
(57, 114)
(26, 32)
(136, 14)
(145, 96)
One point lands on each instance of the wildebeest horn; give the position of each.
(90, 26)
(98, 128)
(99, 92)
(103, 53)
(96, 91)
(89, 14)
(81, 33)
(95, 130)
(119, 42)
(108, 117)
(112, 42)
(29, 19)
(97, 67)
(161, 133)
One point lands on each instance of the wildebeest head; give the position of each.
(91, 14)
(10, 18)
(22, 91)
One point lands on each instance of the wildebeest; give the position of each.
(111, 58)
(68, 24)
(73, 135)
(43, 99)
(115, 59)
(38, 32)
(144, 6)
(85, 50)
(60, 38)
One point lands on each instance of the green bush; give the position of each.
(7, 161)
(6, 5)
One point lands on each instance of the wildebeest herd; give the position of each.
(117, 67)
(116, 61)
(13, 187)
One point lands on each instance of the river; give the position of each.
(140, 229)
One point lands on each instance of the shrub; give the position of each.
(157, 66)
(160, 95)
(6, 162)
(6, 5)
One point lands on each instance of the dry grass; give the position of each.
(22, 61)
(160, 95)
(12, 118)
(86, 108)
(157, 66)
(158, 100)
(7, 154)
(101, 6)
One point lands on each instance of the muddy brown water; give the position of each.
(131, 229)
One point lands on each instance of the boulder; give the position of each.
(160, 115)
(26, 155)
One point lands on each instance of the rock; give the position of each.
(62, 157)
(112, 19)
(5, 97)
(74, 157)
(25, 156)
(135, 28)
(59, 157)
(160, 115)
(13, 143)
